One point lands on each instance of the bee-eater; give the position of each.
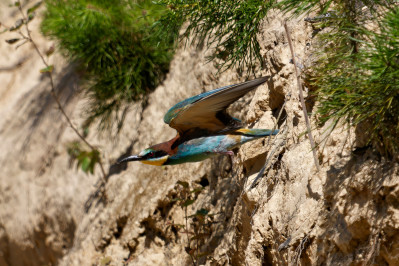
(204, 128)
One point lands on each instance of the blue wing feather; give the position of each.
(207, 111)
(175, 110)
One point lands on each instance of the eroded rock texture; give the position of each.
(348, 213)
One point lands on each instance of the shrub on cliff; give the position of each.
(356, 75)
(114, 45)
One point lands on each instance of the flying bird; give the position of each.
(204, 128)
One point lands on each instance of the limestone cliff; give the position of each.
(348, 213)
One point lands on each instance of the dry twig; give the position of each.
(299, 250)
(305, 112)
(29, 38)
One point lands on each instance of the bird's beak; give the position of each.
(131, 158)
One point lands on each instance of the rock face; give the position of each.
(206, 212)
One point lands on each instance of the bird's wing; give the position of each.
(207, 110)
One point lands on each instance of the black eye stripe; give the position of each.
(153, 154)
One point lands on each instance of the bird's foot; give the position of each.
(231, 153)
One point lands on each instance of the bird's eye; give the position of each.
(151, 154)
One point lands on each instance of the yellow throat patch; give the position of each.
(159, 161)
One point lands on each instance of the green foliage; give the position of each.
(86, 158)
(357, 77)
(34, 7)
(186, 197)
(113, 43)
(200, 221)
(298, 7)
(48, 69)
(229, 25)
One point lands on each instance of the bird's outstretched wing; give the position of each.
(207, 111)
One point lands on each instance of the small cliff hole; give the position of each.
(276, 102)
(276, 97)
(267, 257)
(204, 182)
(282, 117)
(295, 121)
(310, 99)
(164, 207)
(120, 224)
(310, 102)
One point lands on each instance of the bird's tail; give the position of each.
(257, 132)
